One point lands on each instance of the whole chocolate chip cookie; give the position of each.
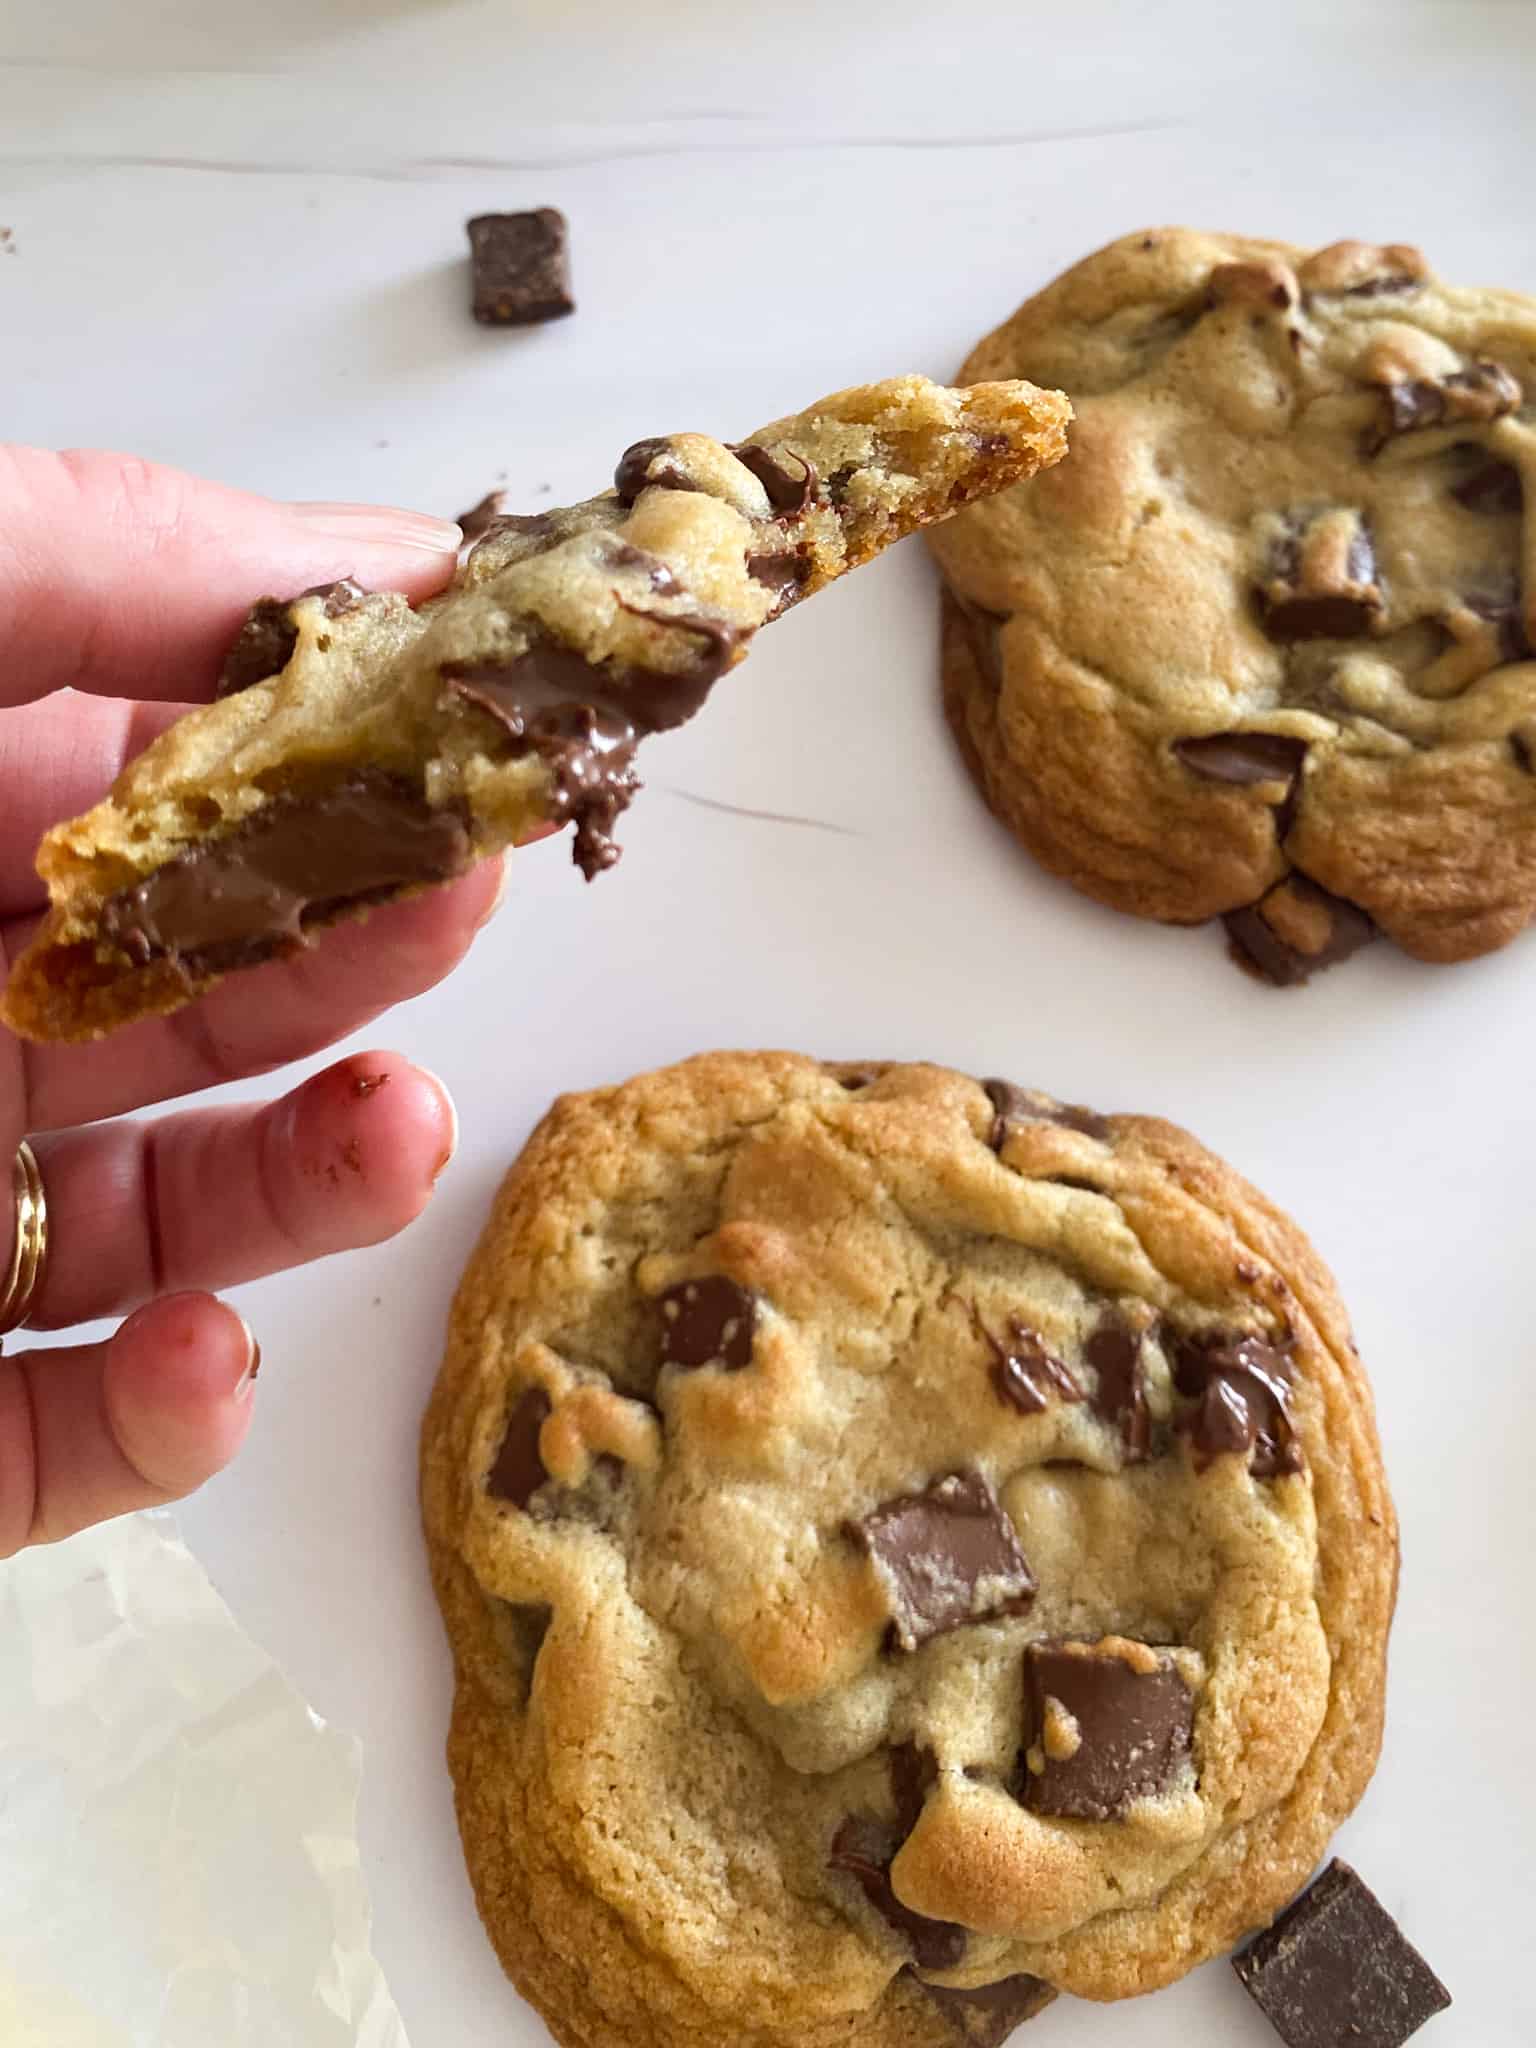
(908, 1545)
(362, 750)
(1262, 648)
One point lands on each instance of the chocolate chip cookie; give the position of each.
(1262, 649)
(362, 750)
(908, 1544)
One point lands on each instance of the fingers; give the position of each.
(261, 1019)
(100, 1429)
(219, 1196)
(129, 580)
(57, 759)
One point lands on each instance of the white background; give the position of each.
(239, 247)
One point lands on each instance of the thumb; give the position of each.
(129, 580)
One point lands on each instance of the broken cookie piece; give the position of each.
(364, 749)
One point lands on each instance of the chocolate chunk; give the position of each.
(518, 1471)
(1015, 1105)
(636, 465)
(1483, 391)
(1336, 1970)
(1295, 930)
(838, 482)
(986, 2016)
(945, 1557)
(914, 1773)
(1495, 487)
(1026, 1372)
(521, 267)
(1244, 758)
(264, 645)
(866, 1848)
(1522, 744)
(786, 575)
(708, 1322)
(477, 522)
(1322, 581)
(1241, 1387)
(1131, 1732)
(789, 490)
(1504, 611)
(297, 862)
(1120, 1397)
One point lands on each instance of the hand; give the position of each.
(127, 583)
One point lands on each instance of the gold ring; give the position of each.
(29, 1253)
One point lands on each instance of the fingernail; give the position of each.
(381, 526)
(453, 1124)
(245, 1386)
(502, 878)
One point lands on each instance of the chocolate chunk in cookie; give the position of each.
(1336, 1968)
(945, 1557)
(1109, 1723)
(987, 2016)
(1025, 1371)
(1295, 930)
(264, 645)
(518, 1470)
(708, 1322)
(521, 266)
(1323, 580)
(1014, 1106)
(1480, 393)
(1114, 1351)
(1241, 1387)
(865, 1849)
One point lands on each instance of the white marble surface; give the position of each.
(238, 246)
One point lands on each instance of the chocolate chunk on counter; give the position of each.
(945, 1557)
(1130, 1716)
(1336, 1970)
(1113, 1350)
(865, 1849)
(264, 645)
(299, 860)
(1482, 392)
(1014, 1105)
(1295, 930)
(1025, 1371)
(1241, 1387)
(521, 267)
(986, 2016)
(518, 1471)
(708, 1322)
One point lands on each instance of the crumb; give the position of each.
(381, 444)
(352, 1156)
(543, 490)
(7, 241)
(368, 1084)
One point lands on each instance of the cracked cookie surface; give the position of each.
(362, 750)
(1263, 648)
(907, 1544)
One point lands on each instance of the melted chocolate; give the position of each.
(1026, 1372)
(632, 476)
(1240, 1385)
(789, 492)
(708, 1322)
(1493, 488)
(299, 861)
(1133, 1730)
(945, 1558)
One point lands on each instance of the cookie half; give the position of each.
(908, 1545)
(363, 750)
(1263, 649)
